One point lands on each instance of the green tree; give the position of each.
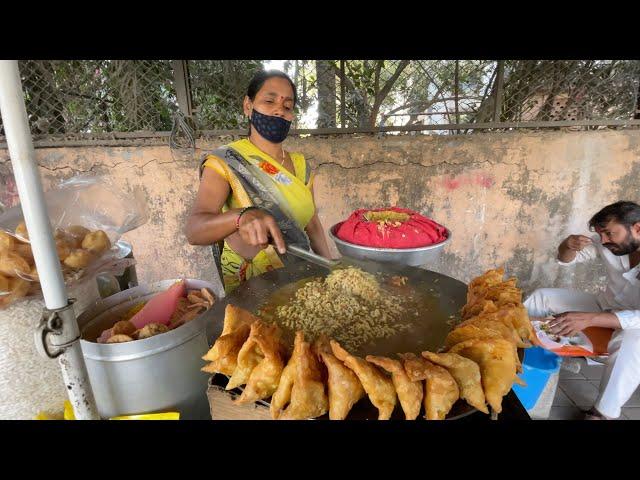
(326, 94)
(218, 88)
(97, 95)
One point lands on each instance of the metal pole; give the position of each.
(62, 321)
(456, 87)
(637, 114)
(182, 85)
(343, 90)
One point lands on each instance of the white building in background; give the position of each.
(308, 119)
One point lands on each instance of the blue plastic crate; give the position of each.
(538, 366)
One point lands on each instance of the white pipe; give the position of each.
(36, 217)
(25, 170)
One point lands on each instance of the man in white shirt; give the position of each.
(617, 243)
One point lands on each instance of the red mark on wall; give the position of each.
(484, 180)
(451, 183)
(480, 179)
(8, 193)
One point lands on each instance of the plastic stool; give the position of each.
(538, 366)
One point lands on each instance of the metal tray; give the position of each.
(405, 256)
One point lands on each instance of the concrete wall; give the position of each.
(508, 198)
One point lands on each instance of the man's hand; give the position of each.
(569, 324)
(576, 242)
(570, 246)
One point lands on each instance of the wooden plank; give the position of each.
(222, 407)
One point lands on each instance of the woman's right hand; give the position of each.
(256, 227)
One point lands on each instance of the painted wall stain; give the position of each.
(483, 180)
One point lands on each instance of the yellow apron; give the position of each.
(291, 186)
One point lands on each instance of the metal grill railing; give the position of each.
(570, 90)
(90, 97)
(97, 96)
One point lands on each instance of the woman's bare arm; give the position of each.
(206, 223)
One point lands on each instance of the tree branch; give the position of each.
(380, 96)
(424, 104)
(343, 78)
(376, 78)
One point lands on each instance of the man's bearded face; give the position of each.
(619, 239)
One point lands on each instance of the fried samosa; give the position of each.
(225, 358)
(482, 327)
(497, 361)
(378, 386)
(466, 373)
(236, 316)
(488, 278)
(343, 386)
(489, 292)
(409, 393)
(282, 396)
(441, 390)
(250, 355)
(235, 331)
(301, 389)
(308, 394)
(265, 376)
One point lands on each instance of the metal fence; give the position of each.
(72, 99)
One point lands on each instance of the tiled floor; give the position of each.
(578, 391)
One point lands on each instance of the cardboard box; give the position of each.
(222, 407)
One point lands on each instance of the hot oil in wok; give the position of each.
(428, 312)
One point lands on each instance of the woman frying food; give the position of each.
(253, 191)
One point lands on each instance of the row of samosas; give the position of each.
(494, 325)
(477, 365)
(77, 247)
(322, 377)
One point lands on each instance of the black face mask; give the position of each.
(274, 129)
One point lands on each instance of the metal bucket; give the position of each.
(414, 257)
(156, 374)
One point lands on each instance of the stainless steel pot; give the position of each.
(156, 374)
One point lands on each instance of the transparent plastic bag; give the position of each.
(88, 216)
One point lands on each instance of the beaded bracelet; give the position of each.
(242, 212)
